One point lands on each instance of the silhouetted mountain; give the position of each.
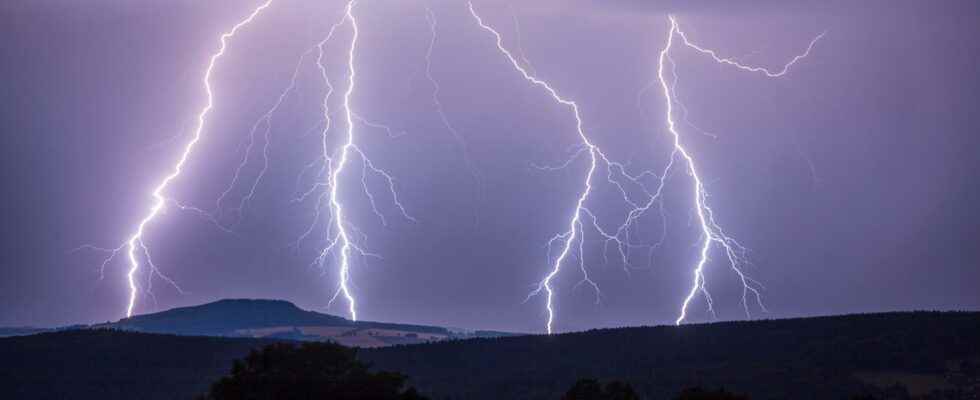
(927, 355)
(279, 319)
(272, 319)
(20, 330)
(30, 330)
(223, 317)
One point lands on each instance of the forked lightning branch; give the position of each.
(344, 244)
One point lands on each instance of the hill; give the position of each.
(20, 331)
(932, 355)
(929, 353)
(279, 319)
(225, 317)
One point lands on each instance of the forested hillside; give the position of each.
(930, 355)
(807, 358)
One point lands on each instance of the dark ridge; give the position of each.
(30, 330)
(804, 358)
(223, 316)
(112, 364)
(798, 358)
(20, 330)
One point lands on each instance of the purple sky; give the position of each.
(99, 99)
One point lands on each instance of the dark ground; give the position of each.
(932, 354)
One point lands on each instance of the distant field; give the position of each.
(347, 336)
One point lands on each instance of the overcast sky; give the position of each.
(853, 179)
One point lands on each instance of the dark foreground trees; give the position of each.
(701, 394)
(591, 389)
(308, 371)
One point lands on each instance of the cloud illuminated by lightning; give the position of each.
(430, 18)
(265, 121)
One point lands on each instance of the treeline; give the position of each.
(312, 370)
(807, 358)
(815, 358)
(109, 364)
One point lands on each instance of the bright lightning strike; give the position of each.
(136, 245)
(675, 28)
(568, 237)
(335, 204)
(342, 235)
(565, 240)
(711, 232)
(345, 240)
(627, 185)
(617, 176)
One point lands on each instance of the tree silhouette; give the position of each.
(591, 389)
(701, 394)
(309, 371)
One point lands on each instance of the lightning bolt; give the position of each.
(711, 232)
(569, 236)
(574, 233)
(342, 236)
(136, 245)
(336, 206)
(265, 121)
(325, 159)
(345, 240)
(520, 41)
(618, 176)
(675, 28)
